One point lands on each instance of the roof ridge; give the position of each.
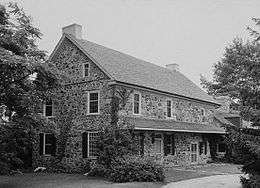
(124, 53)
(126, 68)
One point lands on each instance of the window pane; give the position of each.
(93, 107)
(222, 147)
(48, 149)
(136, 97)
(48, 138)
(136, 108)
(93, 96)
(86, 69)
(158, 145)
(93, 144)
(48, 110)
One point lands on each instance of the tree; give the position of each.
(237, 75)
(25, 80)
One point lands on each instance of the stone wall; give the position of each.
(71, 110)
(70, 105)
(182, 149)
(153, 105)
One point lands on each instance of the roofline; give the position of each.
(164, 92)
(174, 130)
(64, 35)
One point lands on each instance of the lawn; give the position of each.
(46, 180)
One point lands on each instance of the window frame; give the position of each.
(91, 132)
(84, 70)
(44, 145)
(161, 139)
(219, 152)
(193, 153)
(171, 116)
(52, 108)
(139, 104)
(89, 93)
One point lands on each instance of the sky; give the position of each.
(191, 33)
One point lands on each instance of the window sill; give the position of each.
(93, 114)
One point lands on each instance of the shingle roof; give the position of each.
(128, 69)
(174, 126)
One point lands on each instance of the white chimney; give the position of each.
(173, 67)
(73, 29)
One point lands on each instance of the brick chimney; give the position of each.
(173, 67)
(74, 30)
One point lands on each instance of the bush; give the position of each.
(252, 182)
(98, 170)
(129, 169)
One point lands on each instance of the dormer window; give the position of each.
(85, 69)
(48, 108)
(169, 108)
(137, 104)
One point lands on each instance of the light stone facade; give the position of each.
(72, 98)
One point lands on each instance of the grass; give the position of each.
(46, 180)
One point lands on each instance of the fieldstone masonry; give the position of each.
(72, 98)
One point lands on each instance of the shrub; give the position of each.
(252, 182)
(129, 169)
(98, 170)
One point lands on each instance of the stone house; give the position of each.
(172, 117)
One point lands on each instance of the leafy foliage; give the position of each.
(238, 76)
(116, 145)
(134, 168)
(116, 140)
(25, 81)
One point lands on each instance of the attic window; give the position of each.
(169, 108)
(85, 69)
(137, 103)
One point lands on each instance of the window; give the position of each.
(137, 103)
(93, 103)
(221, 148)
(158, 144)
(89, 144)
(169, 145)
(203, 148)
(93, 136)
(169, 109)
(194, 152)
(47, 144)
(48, 108)
(202, 112)
(85, 70)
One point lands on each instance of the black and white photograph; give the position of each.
(129, 93)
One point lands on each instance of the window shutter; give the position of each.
(201, 147)
(167, 142)
(173, 144)
(206, 148)
(85, 145)
(152, 137)
(142, 143)
(53, 145)
(41, 144)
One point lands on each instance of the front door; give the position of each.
(194, 153)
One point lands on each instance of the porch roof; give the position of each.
(175, 126)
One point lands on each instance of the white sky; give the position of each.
(192, 33)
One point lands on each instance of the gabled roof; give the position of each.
(175, 126)
(127, 69)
